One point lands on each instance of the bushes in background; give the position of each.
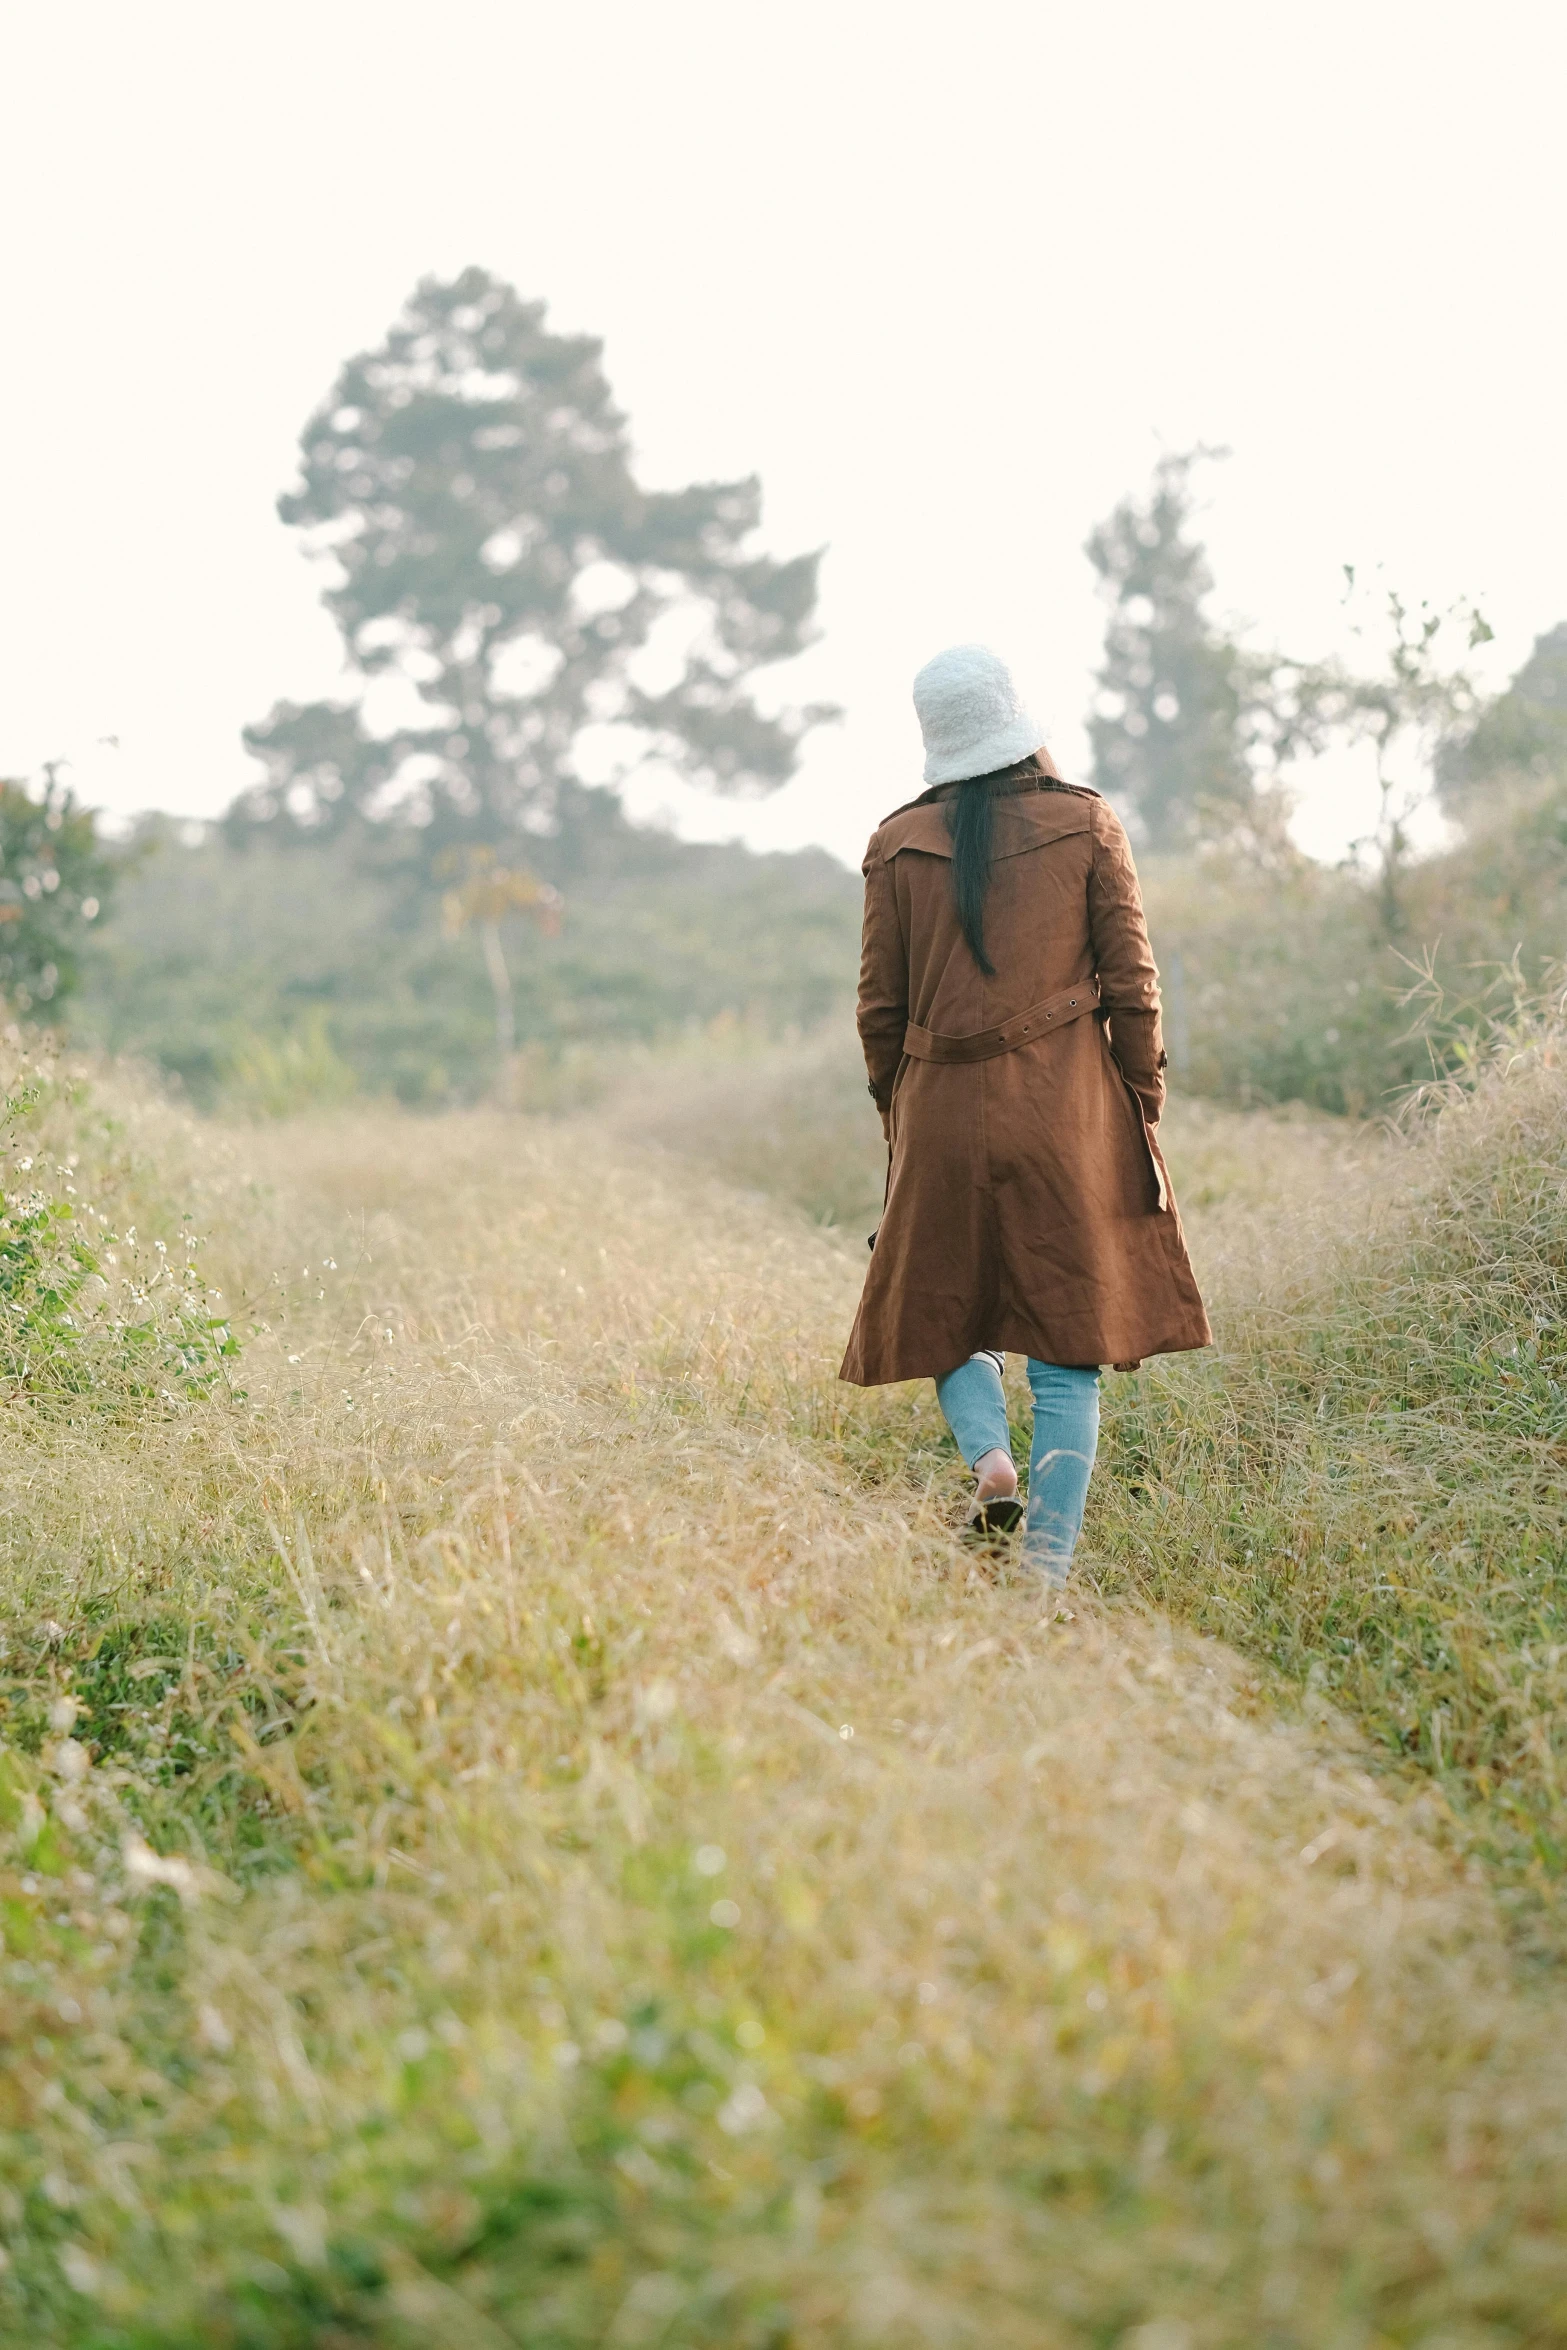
(277, 974)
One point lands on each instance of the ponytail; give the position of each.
(971, 823)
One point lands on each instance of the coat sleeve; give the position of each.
(1128, 977)
(882, 1014)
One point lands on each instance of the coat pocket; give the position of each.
(1154, 1155)
(870, 1237)
(1151, 1155)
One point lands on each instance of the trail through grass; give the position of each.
(529, 1829)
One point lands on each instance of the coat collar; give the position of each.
(1030, 811)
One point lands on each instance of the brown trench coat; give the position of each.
(1028, 1206)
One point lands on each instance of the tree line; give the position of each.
(470, 484)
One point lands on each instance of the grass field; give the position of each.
(524, 1826)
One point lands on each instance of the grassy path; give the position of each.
(530, 1831)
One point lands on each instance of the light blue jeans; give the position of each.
(1061, 1460)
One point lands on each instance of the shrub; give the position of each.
(54, 879)
(273, 1077)
(89, 1311)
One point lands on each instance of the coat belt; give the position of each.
(923, 1044)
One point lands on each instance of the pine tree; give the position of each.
(471, 481)
(1174, 711)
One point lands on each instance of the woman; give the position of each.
(1009, 1010)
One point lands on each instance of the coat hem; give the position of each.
(927, 1367)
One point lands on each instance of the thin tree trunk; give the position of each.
(500, 981)
(1390, 840)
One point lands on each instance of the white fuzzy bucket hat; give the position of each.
(970, 716)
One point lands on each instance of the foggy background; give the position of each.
(949, 280)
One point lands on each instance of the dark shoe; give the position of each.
(1002, 1514)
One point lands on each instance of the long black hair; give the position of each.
(971, 823)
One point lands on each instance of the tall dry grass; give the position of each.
(1365, 1485)
(530, 1829)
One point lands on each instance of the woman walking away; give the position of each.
(1009, 1010)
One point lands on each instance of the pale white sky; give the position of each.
(947, 277)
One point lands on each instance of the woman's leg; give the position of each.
(1066, 1437)
(976, 1412)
